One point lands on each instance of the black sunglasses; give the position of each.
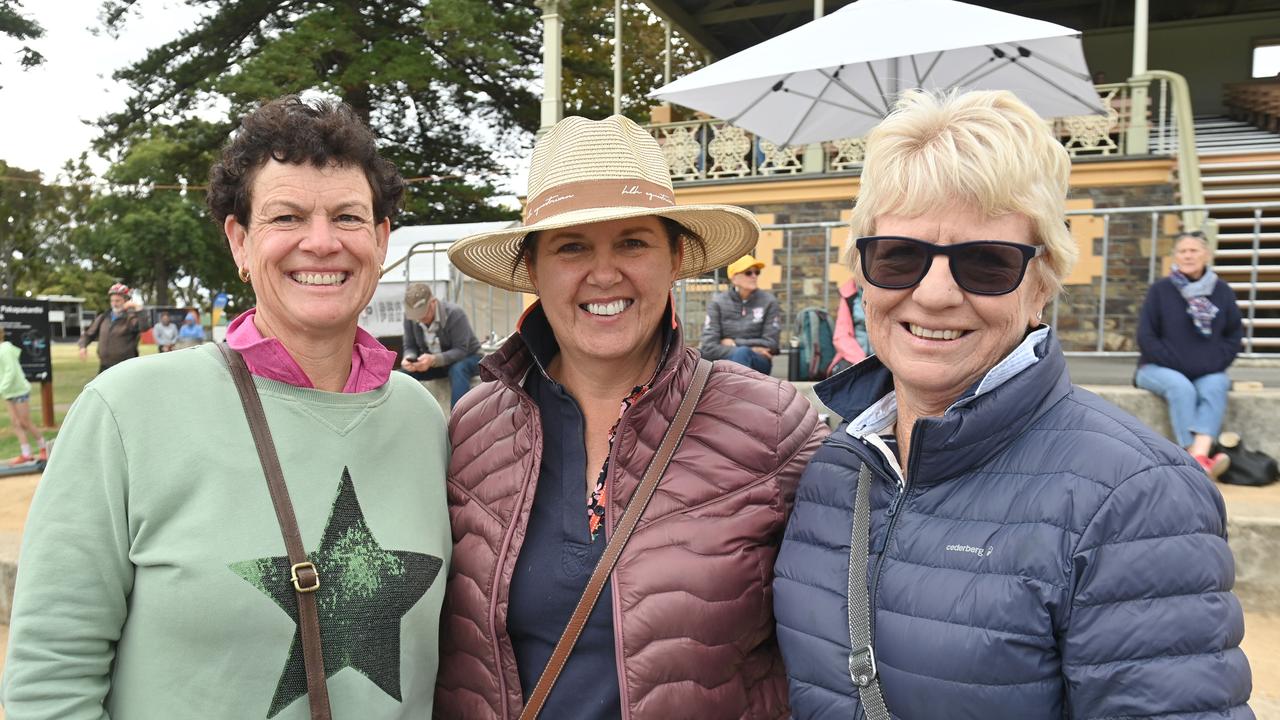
(752, 272)
(981, 267)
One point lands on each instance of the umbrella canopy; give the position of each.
(836, 77)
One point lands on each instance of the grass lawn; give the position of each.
(70, 375)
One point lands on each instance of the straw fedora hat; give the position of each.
(586, 171)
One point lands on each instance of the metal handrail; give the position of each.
(1190, 187)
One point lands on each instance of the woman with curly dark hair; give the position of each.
(155, 584)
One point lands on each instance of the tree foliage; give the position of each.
(588, 58)
(448, 86)
(14, 24)
(442, 82)
(150, 233)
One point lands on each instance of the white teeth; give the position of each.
(307, 278)
(606, 309)
(934, 334)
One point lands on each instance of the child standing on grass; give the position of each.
(16, 391)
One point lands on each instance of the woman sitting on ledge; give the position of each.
(1189, 333)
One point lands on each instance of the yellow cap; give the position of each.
(746, 262)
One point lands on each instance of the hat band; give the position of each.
(590, 194)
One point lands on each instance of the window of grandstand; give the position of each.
(1266, 57)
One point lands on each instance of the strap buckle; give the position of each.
(862, 666)
(314, 577)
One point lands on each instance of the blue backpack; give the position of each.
(814, 330)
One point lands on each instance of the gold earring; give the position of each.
(244, 275)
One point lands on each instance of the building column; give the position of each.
(552, 102)
(814, 159)
(617, 57)
(1137, 137)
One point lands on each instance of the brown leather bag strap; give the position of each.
(622, 533)
(305, 577)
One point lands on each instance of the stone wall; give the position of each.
(1128, 263)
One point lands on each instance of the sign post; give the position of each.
(26, 325)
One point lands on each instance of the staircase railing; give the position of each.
(1190, 187)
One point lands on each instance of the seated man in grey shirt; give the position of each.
(438, 341)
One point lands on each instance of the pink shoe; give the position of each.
(21, 460)
(43, 455)
(1214, 466)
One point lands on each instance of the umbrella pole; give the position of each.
(833, 103)
(772, 89)
(809, 110)
(871, 68)
(845, 86)
(932, 65)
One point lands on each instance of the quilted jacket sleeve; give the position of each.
(1154, 629)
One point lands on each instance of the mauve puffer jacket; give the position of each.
(692, 588)
(1051, 558)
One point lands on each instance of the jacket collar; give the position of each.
(976, 427)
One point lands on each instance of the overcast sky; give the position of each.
(43, 107)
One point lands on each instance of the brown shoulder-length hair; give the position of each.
(321, 132)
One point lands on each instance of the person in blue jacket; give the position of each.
(1030, 551)
(1189, 333)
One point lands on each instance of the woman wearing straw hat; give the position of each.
(556, 455)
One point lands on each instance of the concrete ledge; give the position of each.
(1253, 514)
(1254, 413)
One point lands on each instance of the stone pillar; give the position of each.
(552, 103)
(617, 57)
(1138, 135)
(814, 159)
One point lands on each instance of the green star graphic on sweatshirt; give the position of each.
(364, 591)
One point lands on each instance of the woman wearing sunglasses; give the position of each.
(743, 323)
(982, 539)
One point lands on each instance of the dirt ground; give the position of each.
(1261, 641)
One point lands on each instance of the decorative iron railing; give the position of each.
(712, 149)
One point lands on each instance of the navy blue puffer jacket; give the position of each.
(1049, 557)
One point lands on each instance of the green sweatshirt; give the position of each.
(12, 382)
(153, 583)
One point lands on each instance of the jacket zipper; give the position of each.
(610, 484)
(904, 486)
(535, 417)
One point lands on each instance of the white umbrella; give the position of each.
(836, 77)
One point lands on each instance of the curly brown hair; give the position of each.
(318, 131)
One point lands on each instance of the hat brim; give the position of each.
(492, 257)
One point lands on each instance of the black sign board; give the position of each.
(26, 325)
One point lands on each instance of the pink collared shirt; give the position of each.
(371, 363)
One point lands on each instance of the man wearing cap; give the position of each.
(438, 341)
(743, 322)
(116, 331)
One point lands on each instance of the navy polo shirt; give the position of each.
(558, 556)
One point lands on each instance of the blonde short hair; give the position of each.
(986, 149)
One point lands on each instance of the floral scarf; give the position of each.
(1196, 293)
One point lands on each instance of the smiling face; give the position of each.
(936, 338)
(604, 286)
(1191, 256)
(312, 249)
